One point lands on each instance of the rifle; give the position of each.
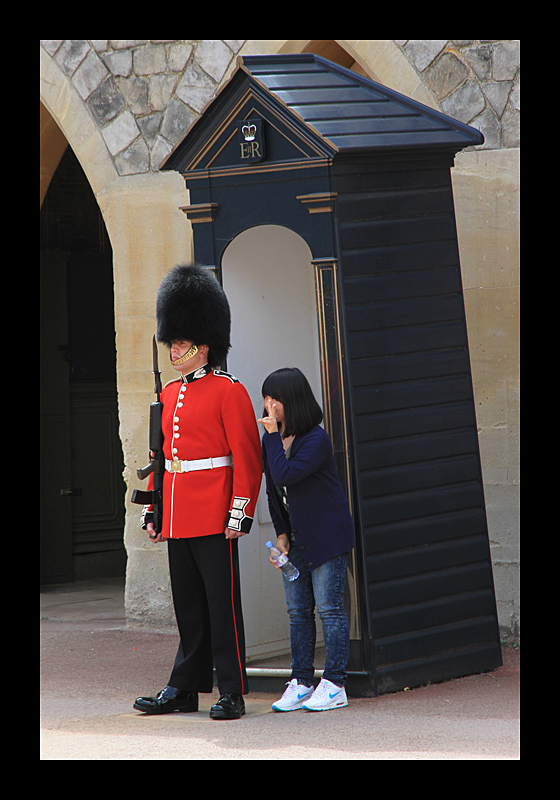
(156, 465)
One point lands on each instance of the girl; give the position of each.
(312, 521)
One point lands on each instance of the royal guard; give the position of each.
(211, 482)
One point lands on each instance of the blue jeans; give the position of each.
(324, 587)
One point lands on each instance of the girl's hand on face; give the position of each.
(270, 422)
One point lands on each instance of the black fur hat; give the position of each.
(192, 306)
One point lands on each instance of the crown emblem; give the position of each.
(250, 140)
(249, 132)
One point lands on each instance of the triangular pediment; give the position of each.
(246, 125)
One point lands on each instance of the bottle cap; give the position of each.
(268, 544)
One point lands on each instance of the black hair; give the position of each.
(301, 411)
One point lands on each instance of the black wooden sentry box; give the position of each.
(362, 173)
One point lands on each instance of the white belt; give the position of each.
(202, 463)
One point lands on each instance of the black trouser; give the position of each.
(207, 598)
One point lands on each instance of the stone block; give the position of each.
(178, 56)
(506, 57)
(135, 159)
(195, 88)
(71, 54)
(149, 60)
(511, 127)
(497, 93)
(176, 121)
(445, 75)
(147, 594)
(89, 75)
(465, 103)
(120, 133)
(423, 51)
(135, 93)
(106, 102)
(479, 60)
(214, 57)
(119, 63)
(160, 91)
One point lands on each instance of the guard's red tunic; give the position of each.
(208, 414)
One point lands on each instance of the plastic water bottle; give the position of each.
(283, 562)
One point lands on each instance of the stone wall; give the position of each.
(475, 81)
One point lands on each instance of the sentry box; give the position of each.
(362, 175)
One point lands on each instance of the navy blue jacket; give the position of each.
(319, 516)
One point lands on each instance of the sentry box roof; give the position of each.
(342, 111)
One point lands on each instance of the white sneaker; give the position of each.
(325, 697)
(294, 696)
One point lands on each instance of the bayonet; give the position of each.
(156, 372)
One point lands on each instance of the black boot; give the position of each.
(168, 700)
(229, 706)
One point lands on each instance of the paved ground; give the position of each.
(93, 667)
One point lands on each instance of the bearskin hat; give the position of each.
(192, 306)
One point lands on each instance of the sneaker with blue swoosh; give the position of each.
(326, 697)
(294, 696)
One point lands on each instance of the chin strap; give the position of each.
(192, 351)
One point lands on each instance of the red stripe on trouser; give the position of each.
(234, 620)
